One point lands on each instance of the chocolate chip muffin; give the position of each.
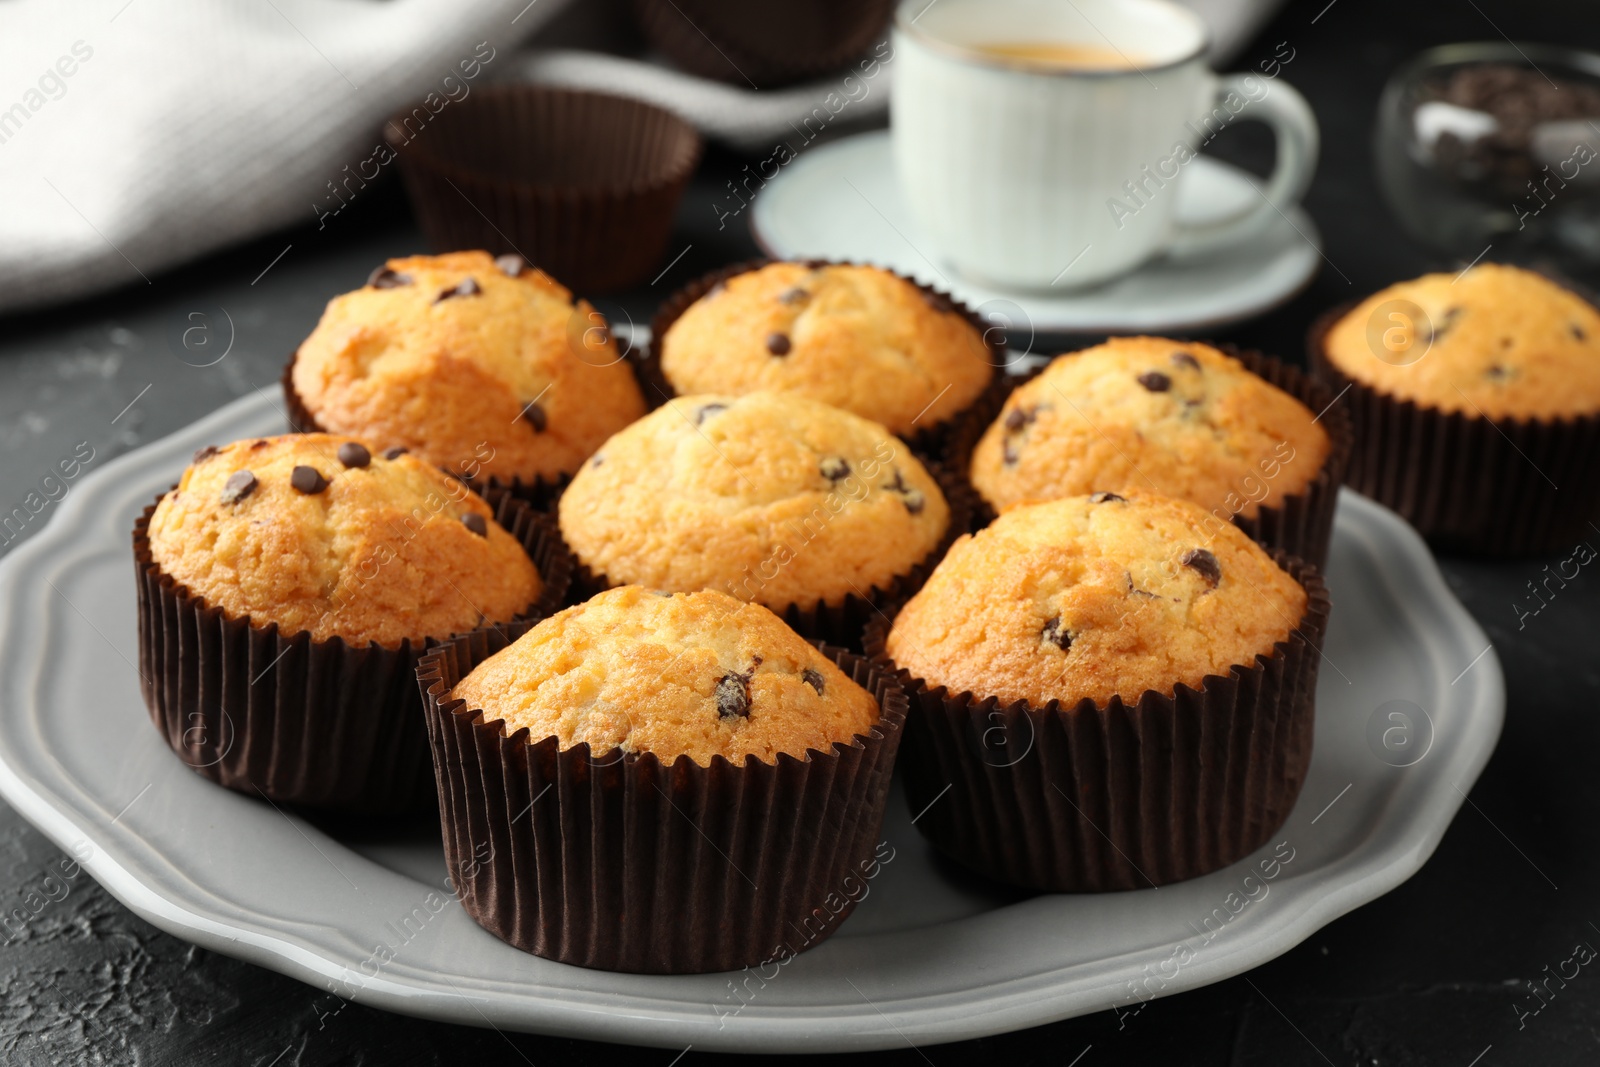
(315, 533)
(1140, 689)
(479, 365)
(859, 338)
(770, 497)
(684, 771)
(696, 674)
(1497, 342)
(1172, 417)
(1091, 597)
(1476, 406)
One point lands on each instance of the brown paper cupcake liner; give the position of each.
(839, 624)
(762, 46)
(926, 442)
(1468, 484)
(539, 491)
(583, 184)
(1095, 797)
(632, 864)
(1301, 524)
(321, 724)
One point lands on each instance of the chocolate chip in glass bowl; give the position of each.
(778, 344)
(239, 485)
(1184, 359)
(1155, 381)
(733, 695)
(534, 416)
(353, 454)
(834, 468)
(1057, 634)
(396, 452)
(465, 287)
(475, 522)
(307, 480)
(813, 679)
(1203, 563)
(386, 278)
(701, 414)
(1106, 498)
(511, 265)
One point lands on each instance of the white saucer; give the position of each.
(810, 210)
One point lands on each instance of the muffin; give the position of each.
(1177, 418)
(288, 585)
(482, 366)
(1106, 663)
(718, 782)
(859, 338)
(1476, 404)
(770, 497)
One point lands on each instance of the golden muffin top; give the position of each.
(692, 674)
(770, 497)
(462, 356)
(1094, 597)
(1171, 417)
(1497, 342)
(316, 532)
(859, 338)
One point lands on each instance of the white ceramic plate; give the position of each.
(842, 201)
(930, 955)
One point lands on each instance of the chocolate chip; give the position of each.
(511, 265)
(396, 452)
(257, 444)
(834, 468)
(465, 287)
(717, 290)
(1008, 455)
(667, 593)
(1577, 332)
(239, 485)
(899, 484)
(813, 679)
(1497, 372)
(913, 500)
(794, 296)
(308, 480)
(1136, 591)
(1184, 359)
(384, 278)
(475, 522)
(1204, 564)
(353, 454)
(203, 454)
(597, 460)
(1155, 381)
(534, 416)
(1017, 419)
(778, 344)
(1106, 498)
(1057, 634)
(705, 412)
(733, 695)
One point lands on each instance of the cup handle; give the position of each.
(1295, 127)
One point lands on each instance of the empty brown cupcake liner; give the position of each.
(604, 234)
(839, 624)
(1302, 523)
(1468, 484)
(539, 491)
(927, 441)
(1095, 797)
(633, 864)
(762, 57)
(316, 723)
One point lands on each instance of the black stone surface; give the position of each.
(1432, 974)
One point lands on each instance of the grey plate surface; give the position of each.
(929, 956)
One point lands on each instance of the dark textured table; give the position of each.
(1435, 973)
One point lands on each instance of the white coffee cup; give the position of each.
(1031, 176)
